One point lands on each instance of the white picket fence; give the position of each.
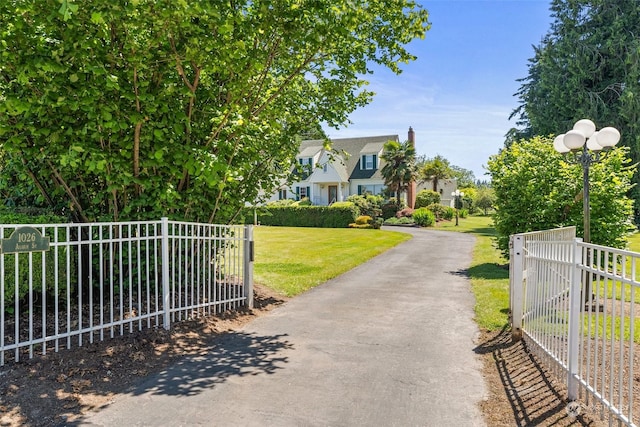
(575, 305)
(99, 280)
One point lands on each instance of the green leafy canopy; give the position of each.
(536, 189)
(133, 110)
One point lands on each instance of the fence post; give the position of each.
(575, 302)
(248, 265)
(516, 287)
(166, 295)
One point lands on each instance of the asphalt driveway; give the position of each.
(390, 343)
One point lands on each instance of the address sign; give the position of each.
(24, 239)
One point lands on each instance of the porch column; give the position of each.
(340, 192)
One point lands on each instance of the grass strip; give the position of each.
(292, 260)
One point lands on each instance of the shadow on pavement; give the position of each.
(235, 354)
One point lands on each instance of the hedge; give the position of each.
(304, 216)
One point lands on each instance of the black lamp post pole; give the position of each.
(456, 202)
(585, 160)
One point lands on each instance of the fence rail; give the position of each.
(576, 305)
(100, 280)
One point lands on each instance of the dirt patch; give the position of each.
(57, 388)
(521, 390)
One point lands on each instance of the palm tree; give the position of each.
(436, 169)
(400, 166)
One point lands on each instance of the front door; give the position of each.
(333, 193)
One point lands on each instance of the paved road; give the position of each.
(389, 343)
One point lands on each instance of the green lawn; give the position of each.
(292, 260)
(634, 242)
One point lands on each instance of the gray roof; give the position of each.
(373, 147)
(310, 151)
(354, 147)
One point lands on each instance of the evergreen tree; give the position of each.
(587, 66)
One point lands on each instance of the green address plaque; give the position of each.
(24, 239)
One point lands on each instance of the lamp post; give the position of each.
(457, 196)
(585, 146)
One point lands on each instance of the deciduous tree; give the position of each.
(536, 189)
(132, 110)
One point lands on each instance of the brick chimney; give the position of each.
(412, 190)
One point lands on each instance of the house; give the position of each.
(351, 166)
(444, 186)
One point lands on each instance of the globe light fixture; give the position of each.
(585, 146)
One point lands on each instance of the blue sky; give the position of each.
(458, 94)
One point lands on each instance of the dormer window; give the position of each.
(304, 161)
(306, 167)
(369, 162)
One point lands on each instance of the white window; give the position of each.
(303, 192)
(371, 189)
(369, 162)
(282, 194)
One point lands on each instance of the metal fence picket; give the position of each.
(578, 312)
(99, 280)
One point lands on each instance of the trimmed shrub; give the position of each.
(389, 209)
(399, 221)
(305, 216)
(283, 202)
(442, 212)
(303, 202)
(368, 204)
(354, 225)
(424, 217)
(463, 213)
(364, 219)
(449, 213)
(424, 198)
(344, 205)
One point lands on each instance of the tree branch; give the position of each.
(36, 181)
(68, 190)
(136, 133)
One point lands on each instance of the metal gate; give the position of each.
(575, 304)
(62, 284)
